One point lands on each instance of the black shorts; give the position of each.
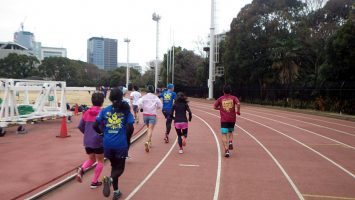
(227, 124)
(135, 108)
(94, 150)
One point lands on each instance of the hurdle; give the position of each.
(46, 104)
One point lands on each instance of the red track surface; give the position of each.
(278, 155)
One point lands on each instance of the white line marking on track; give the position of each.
(294, 187)
(289, 114)
(336, 141)
(186, 165)
(219, 165)
(339, 131)
(298, 115)
(304, 145)
(315, 151)
(273, 158)
(151, 173)
(328, 197)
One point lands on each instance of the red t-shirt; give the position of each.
(226, 106)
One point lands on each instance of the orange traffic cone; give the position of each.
(63, 128)
(76, 111)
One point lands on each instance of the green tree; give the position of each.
(18, 66)
(148, 78)
(185, 68)
(60, 69)
(340, 55)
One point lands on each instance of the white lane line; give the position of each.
(289, 114)
(336, 130)
(328, 197)
(336, 141)
(325, 137)
(294, 187)
(186, 165)
(218, 178)
(303, 117)
(313, 150)
(151, 173)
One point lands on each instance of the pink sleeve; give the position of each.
(217, 103)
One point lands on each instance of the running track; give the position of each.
(278, 155)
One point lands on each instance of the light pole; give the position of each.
(156, 18)
(127, 70)
(172, 71)
(167, 66)
(211, 65)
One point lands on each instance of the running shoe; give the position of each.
(107, 184)
(116, 195)
(79, 175)
(146, 145)
(166, 139)
(181, 151)
(230, 147)
(95, 185)
(226, 154)
(183, 141)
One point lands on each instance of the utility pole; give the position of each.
(127, 70)
(156, 18)
(211, 65)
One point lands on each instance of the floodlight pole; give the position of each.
(156, 18)
(211, 63)
(127, 69)
(172, 73)
(167, 67)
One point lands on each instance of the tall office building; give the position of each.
(25, 38)
(102, 52)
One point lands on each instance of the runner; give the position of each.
(135, 95)
(117, 123)
(124, 91)
(180, 108)
(168, 100)
(226, 105)
(149, 104)
(92, 141)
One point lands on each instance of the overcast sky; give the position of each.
(70, 23)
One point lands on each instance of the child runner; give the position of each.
(180, 108)
(149, 104)
(135, 95)
(226, 105)
(117, 122)
(92, 141)
(168, 100)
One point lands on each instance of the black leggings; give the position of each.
(168, 121)
(117, 168)
(180, 134)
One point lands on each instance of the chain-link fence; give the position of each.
(334, 99)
